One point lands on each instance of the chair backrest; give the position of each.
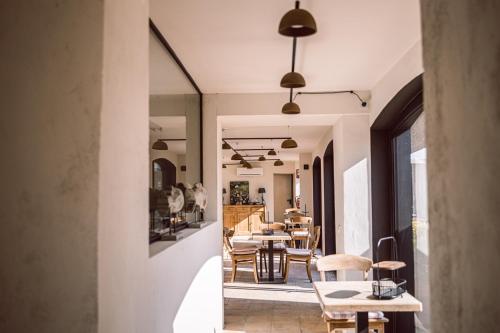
(273, 226)
(290, 210)
(341, 262)
(301, 219)
(227, 243)
(317, 234)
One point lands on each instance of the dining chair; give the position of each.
(302, 255)
(241, 255)
(345, 320)
(301, 233)
(278, 247)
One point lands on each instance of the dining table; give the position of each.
(270, 239)
(356, 296)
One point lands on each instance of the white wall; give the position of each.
(74, 239)
(402, 72)
(266, 181)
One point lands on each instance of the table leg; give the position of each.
(362, 322)
(270, 248)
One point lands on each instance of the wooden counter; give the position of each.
(244, 219)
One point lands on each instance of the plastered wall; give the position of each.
(461, 99)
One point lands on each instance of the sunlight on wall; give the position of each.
(356, 210)
(197, 312)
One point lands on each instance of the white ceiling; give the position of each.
(233, 45)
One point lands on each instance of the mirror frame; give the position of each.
(154, 29)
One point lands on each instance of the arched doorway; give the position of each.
(329, 206)
(317, 211)
(164, 174)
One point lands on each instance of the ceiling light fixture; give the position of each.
(288, 144)
(226, 146)
(272, 152)
(278, 163)
(262, 158)
(160, 145)
(290, 108)
(297, 23)
(293, 80)
(247, 165)
(236, 157)
(224, 166)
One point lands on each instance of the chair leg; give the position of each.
(254, 261)
(308, 268)
(265, 261)
(233, 273)
(287, 268)
(280, 270)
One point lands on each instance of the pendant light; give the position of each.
(247, 165)
(289, 143)
(224, 166)
(278, 163)
(290, 108)
(297, 23)
(242, 161)
(160, 145)
(293, 80)
(272, 152)
(226, 146)
(236, 157)
(262, 158)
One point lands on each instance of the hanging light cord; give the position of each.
(352, 92)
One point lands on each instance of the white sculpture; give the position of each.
(200, 197)
(175, 200)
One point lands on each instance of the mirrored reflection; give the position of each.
(174, 122)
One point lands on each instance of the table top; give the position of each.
(356, 296)
(277, 236)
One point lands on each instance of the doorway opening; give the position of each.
(283, 195)
(317, 209)
(329, 200)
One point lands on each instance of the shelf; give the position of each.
(389, 265)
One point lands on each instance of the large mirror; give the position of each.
(175, 128)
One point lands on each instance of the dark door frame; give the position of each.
(390, 213)
(329, 200)
(317, 196)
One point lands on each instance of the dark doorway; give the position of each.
(329, 210)
(317, 211)
(164, 174)
(392, 188)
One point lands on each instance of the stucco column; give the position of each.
(461, 47)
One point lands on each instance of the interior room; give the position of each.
(223, 166)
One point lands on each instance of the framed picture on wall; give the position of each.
(239, 192)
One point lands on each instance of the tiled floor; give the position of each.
(271, 308)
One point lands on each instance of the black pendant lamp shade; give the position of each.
(226, 146)
(236, 157)
(293, 80)
(160, 145)
(297, 23)
(278, 163)
(289, 143)
(262, 158)
(290, 108)
(272, 152)
(247, 165)
(224, 167)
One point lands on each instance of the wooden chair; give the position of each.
(302, 234)
(243, 255)
(302, 255)
(345, 320)
(292, 210)
(278, 247)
